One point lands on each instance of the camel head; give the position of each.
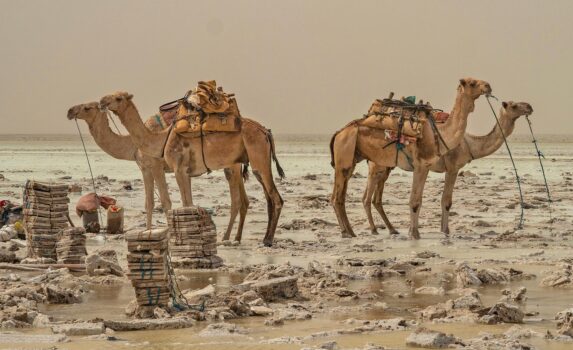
(116, 102)
(474, 88)
(86, 111)
(514, 110)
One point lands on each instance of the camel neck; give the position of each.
(454, 128)
(117, 146)
(483, 146)
(145, 140)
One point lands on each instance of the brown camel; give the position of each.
(152, 169)
(253, 144)
(355, 143)
(473, 147)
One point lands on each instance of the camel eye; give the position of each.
(473, 84)
(514, 106)
(118, 99)
(86, 108)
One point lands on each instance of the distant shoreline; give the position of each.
(544, 138)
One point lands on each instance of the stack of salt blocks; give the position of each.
(71, 246)
(45, 215)
(192, 238)
(149, 268)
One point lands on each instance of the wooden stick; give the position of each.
(39, 267)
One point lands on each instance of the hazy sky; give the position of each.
(296, 66)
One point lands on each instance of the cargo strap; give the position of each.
(202, 119)
(437, 136)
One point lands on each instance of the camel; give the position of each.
(153, 169)
(355, 143)
(193, 156)
(473, 147)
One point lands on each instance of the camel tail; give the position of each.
(332, 149)
(245, 172)
(274, 155)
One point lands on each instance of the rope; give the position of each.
(90, 167)
(539, 156)
(520, 224)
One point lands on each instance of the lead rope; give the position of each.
(539, 156)
(520, 224)
(91, 172)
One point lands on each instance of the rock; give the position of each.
(41, 321)
(103, 262)
(222, 329)
(426, 338)
(559, 277)
(565, 322)
(276, 288)
(14, 337)
(275, 321)
(426, 254)
(343, 292)
(7, 256)
(466, 276)
(200, 295)
(261, 310)
(149, 324)
(430, 290)
(516, 297)
(331, 345)
(482, 223)
(58, 295)
(81, 328)
(502, 312)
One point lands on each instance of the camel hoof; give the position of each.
(374, 231)
(348, 235)
(268, 243)
(394, 232)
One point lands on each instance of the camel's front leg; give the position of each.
(148, 186)
(158, 172)
(242, 210)
(449, 183)
(184, 183)
(420, 175)
(377, 201)
(231, 175)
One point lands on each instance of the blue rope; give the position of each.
(520, 224)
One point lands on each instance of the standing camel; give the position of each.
(355, 143)
(190, 156)
(473, 147)
(153, 169)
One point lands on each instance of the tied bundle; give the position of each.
(45, 215)
(193, 238)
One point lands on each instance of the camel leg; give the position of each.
(371, 187)
(148, 185)
(420, 175)
(447, 195)
(377, 201)
(274, 200)
(159, 177)
(231, 174)
(338, 199)
(242, 210)
(184, 183)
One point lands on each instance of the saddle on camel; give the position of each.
(207, 109)
(402, 120)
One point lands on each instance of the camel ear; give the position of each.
(463, 82)
(504, 104)
(129, 96)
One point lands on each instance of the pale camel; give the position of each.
(153, 169)
(473, 147)
(189, 156)
(355, 143)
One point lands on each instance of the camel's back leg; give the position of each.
(377, 200)
(419, 181)
(371, 187)
(343, 147)
(259, 153)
